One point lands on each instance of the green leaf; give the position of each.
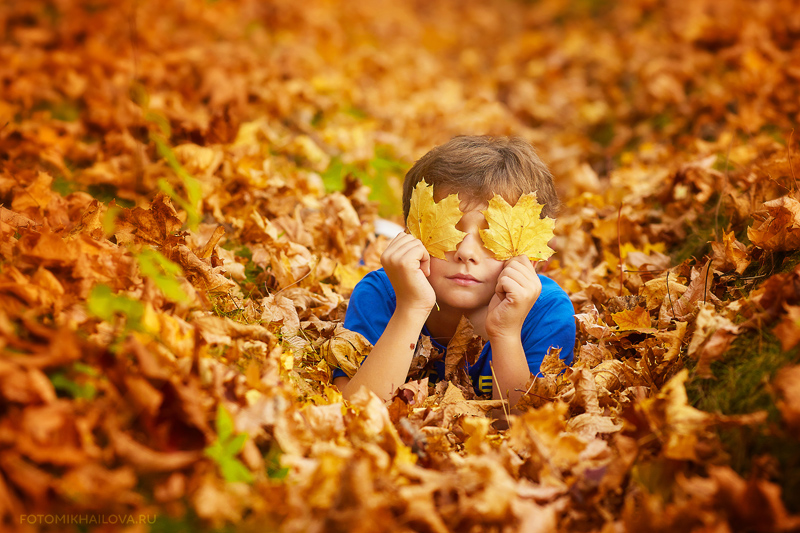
(215, 451)
(163, 272)
(62, 383)
(235, 444)
(333, 177)
(191, 185)
(110, 220)
(83, 368)
(63, 186)
(105, 305)
(235, 471)
(224, 423)
(273, 461)
(224, 450)
(138, 93)
(159, 120)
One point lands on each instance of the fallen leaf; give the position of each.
(149, 460)
(463, 349)
(788, 329)
(345, 350)
(637, 319)
(781, 230)
(730, 254)
(712, 336)
(787, 388)
(552, 362)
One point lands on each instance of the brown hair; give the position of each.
(478, 167)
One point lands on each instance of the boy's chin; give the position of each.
(464, 303)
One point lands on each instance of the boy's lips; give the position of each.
(463, 279)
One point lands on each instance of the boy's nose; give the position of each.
(469, 249)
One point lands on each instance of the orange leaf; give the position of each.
(636, 319)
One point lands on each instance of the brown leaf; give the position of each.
(150, 226)
(788, 329)
(49, 434)
(680, 426)
(552, 362)
(425, 355)
(787, 389)
(590, 355)
(455, 405)
(464, 348)
(712, 336)
(146, 459)
(538, 391)
(25, 386)
(658, 291)
(15, 219)
(585, 391)
(610, 375)
(637, 319)
(345, 350)
(213, 241)
(46, 249)
(755, 503)
(144, 396)
(93, 486)
(698, 293)
(278, 308)
(37, 195)
(591, 324)
(589, 425)
(730, 254)
(34, 482)
(213, 503)
(222, 330)
(781, 230)
(202, 275)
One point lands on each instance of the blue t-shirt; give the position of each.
(550, 322)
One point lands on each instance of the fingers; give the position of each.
(425, 262)
(519, 280)
(408, 251)
(522, 269)
(522, 261)
(400, 244)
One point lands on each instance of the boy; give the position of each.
(520, 314)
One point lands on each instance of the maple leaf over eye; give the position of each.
(517, 230)
(434, 223)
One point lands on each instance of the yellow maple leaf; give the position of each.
(434, 223)
(632, 320)
(517, 230)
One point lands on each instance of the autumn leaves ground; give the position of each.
(188, 190)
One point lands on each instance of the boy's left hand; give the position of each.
(518, 287)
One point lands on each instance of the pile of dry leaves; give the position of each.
(185, 211)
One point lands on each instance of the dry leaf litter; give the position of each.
(213, 125)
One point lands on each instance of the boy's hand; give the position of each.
(518, 288)
(408, 265)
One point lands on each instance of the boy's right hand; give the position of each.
(408, 264)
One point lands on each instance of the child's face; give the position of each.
(467, 279)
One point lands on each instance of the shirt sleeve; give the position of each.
(371, 306)
(551, 323)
